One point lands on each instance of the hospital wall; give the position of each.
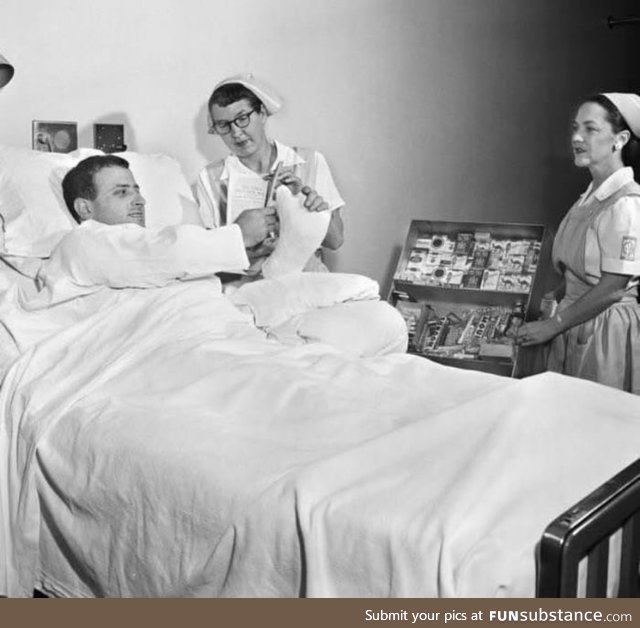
(455, 109)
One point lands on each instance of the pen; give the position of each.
(272, 182)
(270, 188)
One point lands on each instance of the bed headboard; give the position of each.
(584, 532)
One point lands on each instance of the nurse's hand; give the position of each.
(537, 332)
(313, 201)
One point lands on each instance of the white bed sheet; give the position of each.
(163, 446)
(22, 284)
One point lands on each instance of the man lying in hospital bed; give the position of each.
(112, 249)
(154, 442)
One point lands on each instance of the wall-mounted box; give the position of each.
(109, 138)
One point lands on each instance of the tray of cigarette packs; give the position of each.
(464, 287)
(476, 260)
(478, 333)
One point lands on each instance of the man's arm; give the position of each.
(128, 256)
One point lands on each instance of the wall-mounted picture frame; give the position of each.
(52, 136)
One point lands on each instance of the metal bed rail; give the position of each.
(585, 530)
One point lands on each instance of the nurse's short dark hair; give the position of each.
(79, 182)
(229, 93)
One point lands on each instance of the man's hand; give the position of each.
(264, 249)
(257, 224)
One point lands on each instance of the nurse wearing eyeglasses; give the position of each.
(239, 107)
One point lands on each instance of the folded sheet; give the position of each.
(274, 301)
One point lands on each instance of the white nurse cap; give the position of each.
(629, 106)
(272, 103)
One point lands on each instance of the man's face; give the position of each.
(118, 200)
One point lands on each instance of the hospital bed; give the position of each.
(159, 444)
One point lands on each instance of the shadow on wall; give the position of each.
(390, 270)
(85, 133)
(210, 146)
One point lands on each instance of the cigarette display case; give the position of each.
(464, 288)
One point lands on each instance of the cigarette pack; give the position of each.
(472, 278)
(519, 247)
(433, 334)
(410, 312)
(499, 249)
(423, 242)
(442, 243)
(502, 324)
(513, 263)
(496, 351)
(507, 283)
(482, 326)
(531, 258)
(482, 237)
(433, 260)
(439, 275)
(464, 244)
(490, 279)
(461, 262)
(523, 282)
(467, 336)
(417, 260)
(446, 260)
(480, 257)
(454, 278)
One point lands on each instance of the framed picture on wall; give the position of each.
(54, 137)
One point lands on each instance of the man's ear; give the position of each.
(83, 208)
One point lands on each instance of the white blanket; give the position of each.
(161, 445)
(274, 301)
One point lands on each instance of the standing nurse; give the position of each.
(595, 333)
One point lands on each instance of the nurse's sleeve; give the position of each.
(325, 185)
(206, 199)
(618, 231)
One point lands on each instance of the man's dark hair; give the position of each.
(79, 181)
(229, 93)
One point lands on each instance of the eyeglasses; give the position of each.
(223, 127)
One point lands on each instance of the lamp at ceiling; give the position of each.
(6, 71)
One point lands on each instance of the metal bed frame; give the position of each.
(584, 531)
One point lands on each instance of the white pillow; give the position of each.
(363, 328)
(170, 200)
(33, 211)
